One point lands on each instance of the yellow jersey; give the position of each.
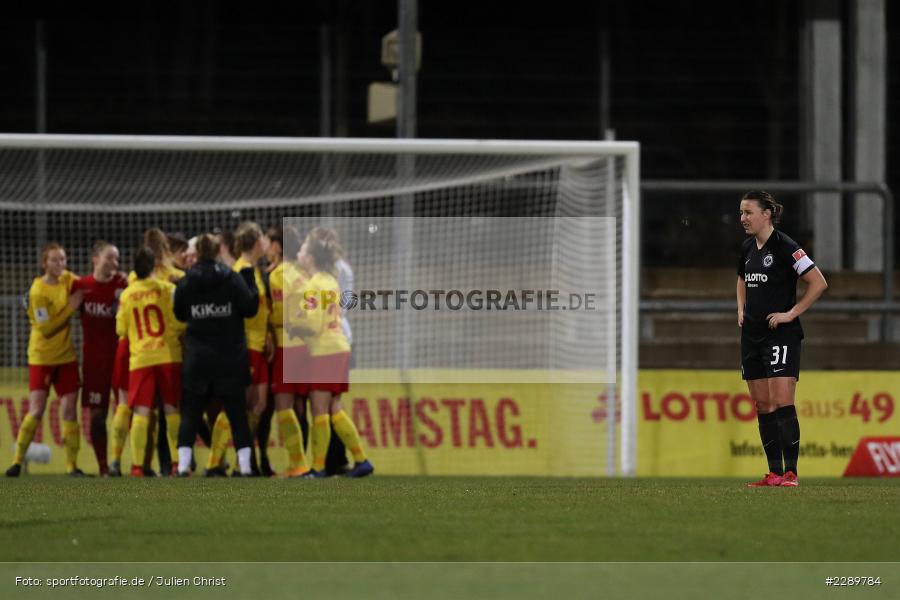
(50, 341)
(318, 310)
(284, 279)
(256, 326)
(146, 316)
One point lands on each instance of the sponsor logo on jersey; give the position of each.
(210, 311)
(99, 309)
(768, 260)
(799, 254)
(754, 277)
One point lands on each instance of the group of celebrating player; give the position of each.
(197, 329)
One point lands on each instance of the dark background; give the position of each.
(709, 89)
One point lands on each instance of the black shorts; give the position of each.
(773, 354)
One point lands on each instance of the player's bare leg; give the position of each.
(781, 391)
(37, 402)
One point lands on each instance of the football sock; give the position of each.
(321, 435)
(99, 441)
(72, 441)
(26, 434)
(140, 425)
(771, 441)
(173, 423)
(789, 432)
(243, 456)
(220, 435)
(120, 424)
(346, 430)
(289, 431)
(185, 453)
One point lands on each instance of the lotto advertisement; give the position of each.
(689, 423)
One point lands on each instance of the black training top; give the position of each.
(214, 301)
(770, 275)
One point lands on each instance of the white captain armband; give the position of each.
(802, 263)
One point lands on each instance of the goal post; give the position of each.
(478, 213)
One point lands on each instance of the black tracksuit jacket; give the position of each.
(214, 301)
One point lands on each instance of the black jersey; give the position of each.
(214, 301)
(770, 275)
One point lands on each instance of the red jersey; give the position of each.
(98, 314)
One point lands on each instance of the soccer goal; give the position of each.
(468, 258)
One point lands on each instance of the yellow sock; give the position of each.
(321, 436)
(291, 437)
(173, 423)
(120, 424)
(72, 441)
(346, 430)
(140, 425)
(221, 433)
(26, 434)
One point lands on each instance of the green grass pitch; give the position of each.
(457, 531)
(446, 519)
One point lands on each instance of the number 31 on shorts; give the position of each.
(779, 352)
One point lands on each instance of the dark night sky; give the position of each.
(708, 88)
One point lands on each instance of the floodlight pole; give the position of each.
(404, 205)
(408, 25)
(40, 53)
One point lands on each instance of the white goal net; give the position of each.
(491, 220)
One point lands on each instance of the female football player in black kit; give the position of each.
(768, 315)
(214, 300)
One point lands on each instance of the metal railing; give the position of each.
(886, 306)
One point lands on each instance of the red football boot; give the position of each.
(789, 480)
(769, 480)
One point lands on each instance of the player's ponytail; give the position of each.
(766, 202)
(207, 247)
(156, 240)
